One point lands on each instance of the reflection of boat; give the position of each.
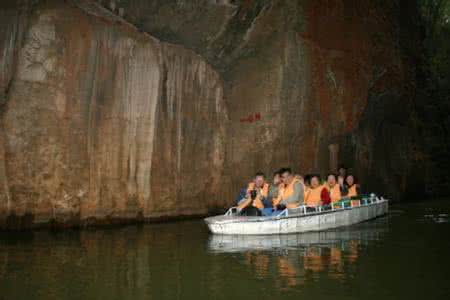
(298, 220)
(240, 243)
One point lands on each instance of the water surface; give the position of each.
(405, 255)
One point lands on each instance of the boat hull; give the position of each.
(325, 220)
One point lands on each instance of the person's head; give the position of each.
(331, 179)
(286, 175)
(308, 180)
(341, 180)
(259, 179)
(315, 181)
(350, 180)
(342, 171)
(276, 178)
(299, 178)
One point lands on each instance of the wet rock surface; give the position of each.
(303, 77)
(92, 105)
(102, 122)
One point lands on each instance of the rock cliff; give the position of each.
(309, 84)
(103, 122)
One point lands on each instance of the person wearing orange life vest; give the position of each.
(343, 186)
(257, 191)
(301, 179)
(317, 194)
(333, 188)
(353, 188)
(291, 194)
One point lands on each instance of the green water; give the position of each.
(405, 255)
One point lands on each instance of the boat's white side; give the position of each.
(298, 221)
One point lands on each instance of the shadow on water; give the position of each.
(381, 259)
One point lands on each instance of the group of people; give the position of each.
(289, 190)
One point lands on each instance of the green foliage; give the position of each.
(435, 13)
(434, 98)
(436, 18)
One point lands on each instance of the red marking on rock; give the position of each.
(251, 118)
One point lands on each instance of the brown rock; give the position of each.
(93, 104)
(316, 73)
(102, 123)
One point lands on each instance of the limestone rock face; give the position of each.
(100, 120)
(303, 77)
(91, 106)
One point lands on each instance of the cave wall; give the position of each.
(13, 16)
(303, 76)
(91, 106)
(101, 121)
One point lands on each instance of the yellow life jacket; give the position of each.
(352, 192)
(335, 192)
(314, 197)
(285, 192)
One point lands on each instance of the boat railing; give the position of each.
(340, 205)
(347, 203)
(231, 211)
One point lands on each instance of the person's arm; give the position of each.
(297, 195)
(260, 198)
(276, 200)
(258, 202)
(244, 203)
(242, 196)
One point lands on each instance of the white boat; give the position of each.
(300, 219)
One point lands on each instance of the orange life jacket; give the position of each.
(313, 198)
(352, 192)
(335, 192)
(285, 192)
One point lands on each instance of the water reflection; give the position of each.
(372, 261)
(234, 243)
(298, 258)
